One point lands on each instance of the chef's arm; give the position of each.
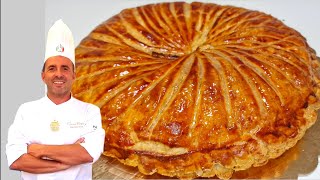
(71, 154)
(31, 164)
(17, 147)
(87, 149)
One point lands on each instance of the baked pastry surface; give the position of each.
(198, 90)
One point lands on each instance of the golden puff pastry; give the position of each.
(199, 89)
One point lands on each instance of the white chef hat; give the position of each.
(60, 42)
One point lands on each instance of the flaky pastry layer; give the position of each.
(198, 90)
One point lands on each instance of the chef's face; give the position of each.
(58, 74)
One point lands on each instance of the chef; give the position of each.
(57, 136)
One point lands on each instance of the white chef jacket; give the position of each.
(75, 118)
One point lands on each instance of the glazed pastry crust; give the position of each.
(198, 90)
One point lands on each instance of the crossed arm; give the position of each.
(24, 155)
(51, 158)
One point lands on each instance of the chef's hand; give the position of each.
(35, 150)
(64, 166)
(80, 140)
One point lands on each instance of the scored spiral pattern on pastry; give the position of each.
(198, 89)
